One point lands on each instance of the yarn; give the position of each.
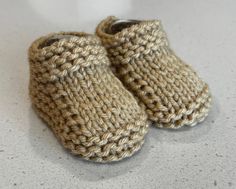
(169, 90)
(73, 89)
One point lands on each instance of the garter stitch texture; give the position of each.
(170, 90)
(74, 91)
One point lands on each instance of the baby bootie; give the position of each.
(171, 92)
(74, 91)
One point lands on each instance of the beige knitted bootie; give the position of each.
(74, 91)
(170, 90)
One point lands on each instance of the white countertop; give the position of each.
(203, 33)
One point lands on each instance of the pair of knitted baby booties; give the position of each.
(97, 95)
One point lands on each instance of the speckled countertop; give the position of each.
(202, 32)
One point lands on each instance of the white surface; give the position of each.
(202, 32)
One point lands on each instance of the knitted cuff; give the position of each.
(139, 39)
(56, 55)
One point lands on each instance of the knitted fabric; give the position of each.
(171, 92)
(73, 89)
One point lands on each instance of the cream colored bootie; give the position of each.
(170, 90)
(74, 91)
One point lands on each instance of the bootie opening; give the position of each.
(77, 38)
(54, 39)
(113, 31)
(119, 25)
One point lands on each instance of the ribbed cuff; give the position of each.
(141, 38)
(56, 55)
